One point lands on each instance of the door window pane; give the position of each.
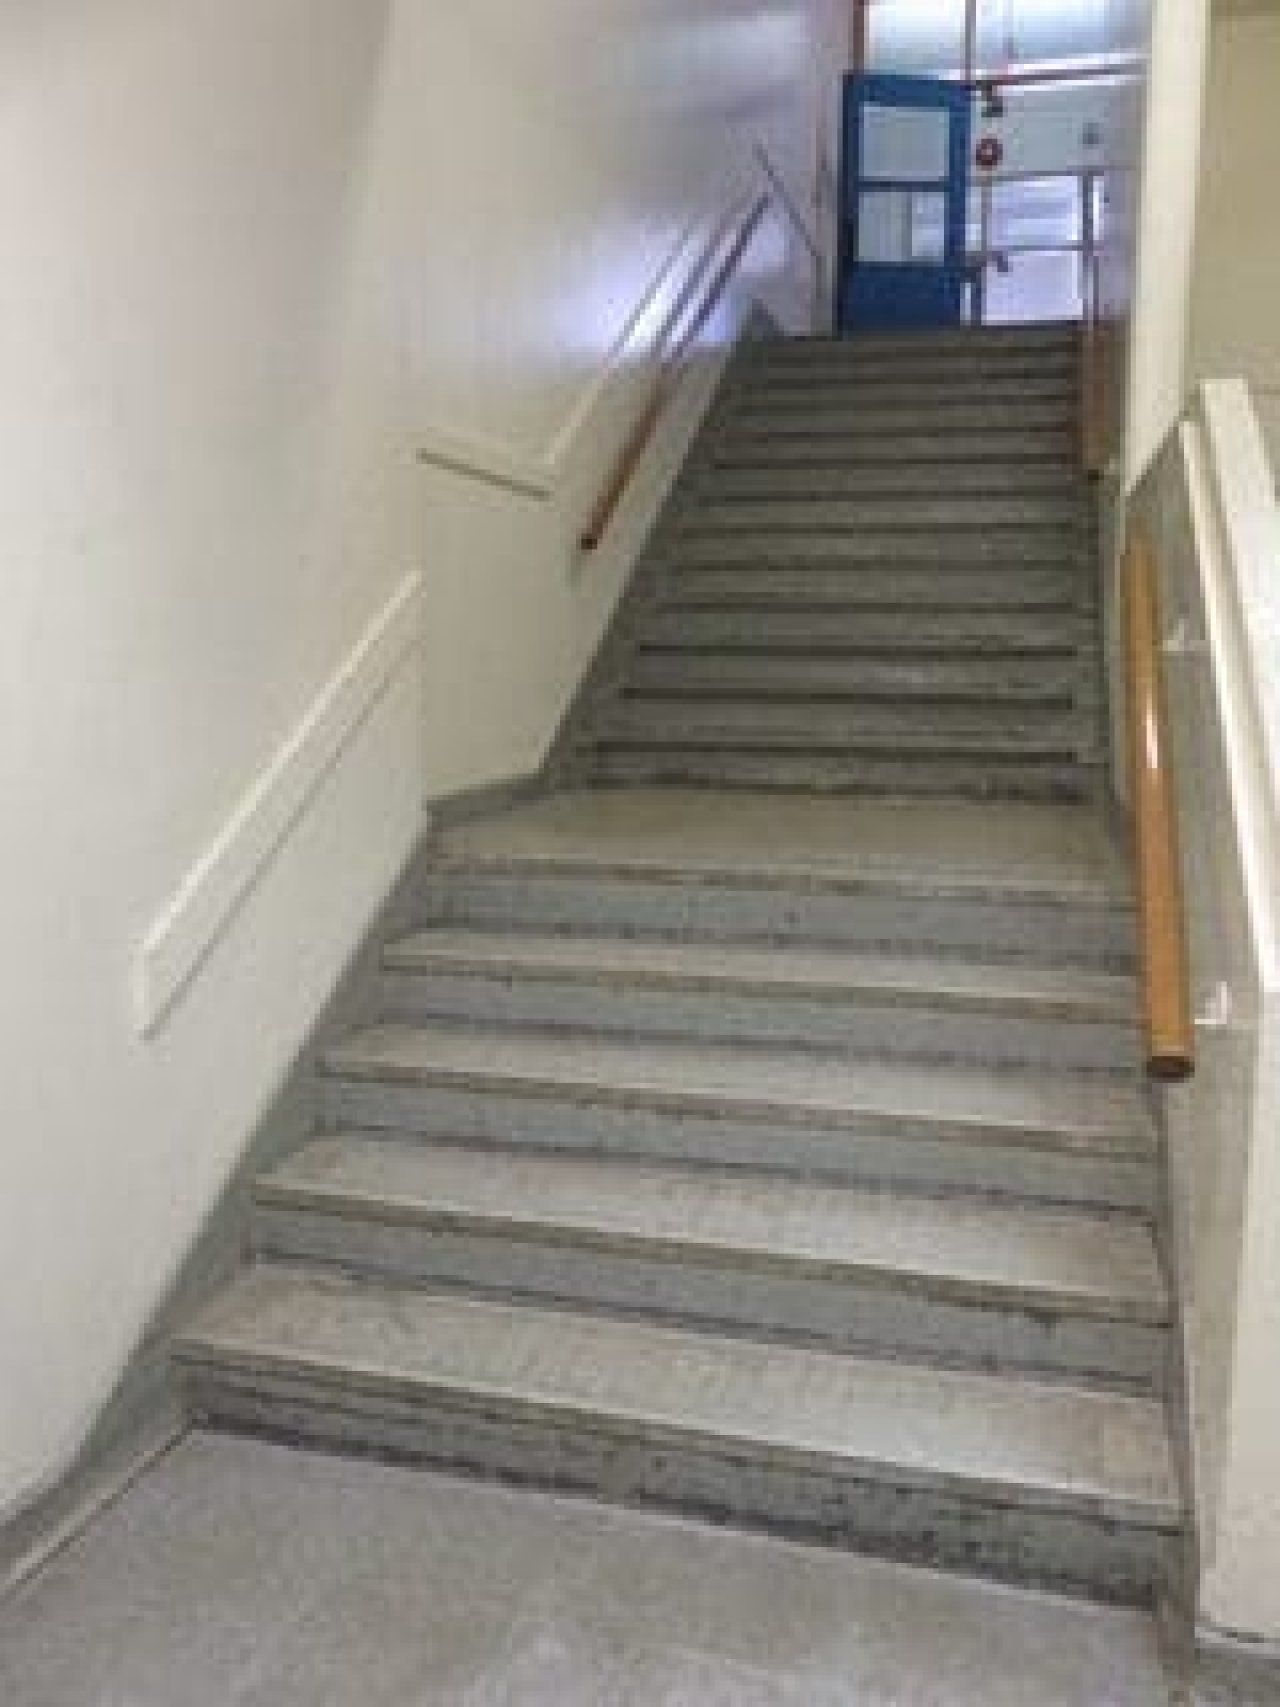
(884, 226)
(928, 226)
(902, 142)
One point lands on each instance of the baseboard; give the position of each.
(144, 1411)
(31, 1541)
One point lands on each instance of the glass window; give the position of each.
(1032, 32)
(884, 226)
(926, 37)
(1037, 213)
(928, 226)
(899, 142)
(923, 38)
(1032, 288)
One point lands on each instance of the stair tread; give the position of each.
(1048, 1446)
(713, 511)
(990, 446)
(871, 635)
(1098, 1265)
(808, 724)
(1014, 987)
(1087, 1112)
(709, 834)
(982, 683)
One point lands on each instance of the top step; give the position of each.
(988, 342)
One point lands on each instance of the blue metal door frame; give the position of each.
(912, 292)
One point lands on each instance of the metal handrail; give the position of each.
(1168, 1025)
(787, 202)
(628, 460)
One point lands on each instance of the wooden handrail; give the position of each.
(1166, 995)
(624, 468)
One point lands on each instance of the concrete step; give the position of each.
(911, 636)
(885, 480)
(754, 418)
(978, 342)
(978, 881)
(962, 1282)
(988, 776)
(1053, 1136)
(921, 1007)
(876, 912)
(927, 724)
(1060, 368)
(894, 387)
(912, 547)
(861, 681)
(993, 447)
(1031, 1480)
(1064, 513)
(906, 589)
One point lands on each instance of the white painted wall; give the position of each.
(1235, 317)
(1166, 222)
(254, 254)
(1220, 540)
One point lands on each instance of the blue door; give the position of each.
(904, 202)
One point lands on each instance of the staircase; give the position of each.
(878, 573)
(753, 1124)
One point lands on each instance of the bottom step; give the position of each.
(1061, 1486)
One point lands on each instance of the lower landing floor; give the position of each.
(237, 1574)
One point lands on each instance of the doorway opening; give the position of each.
(1014, 235)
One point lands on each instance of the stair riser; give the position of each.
(914, 548)
(1065, 516)
(930, 726)
(1047, 684)
(865, 1026)
(547, 1118)
(852, 1313)
(874, 390)
(849, 593)
(1002, 926)
(910, 776)
(991, 448)
(1060, 369)
(1026, 344)
(943, 479)
(910, 637)
(803, 1498)
(761, 420)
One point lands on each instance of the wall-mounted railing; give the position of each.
(787, 202)
(1167, 1020)
(673, 361)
